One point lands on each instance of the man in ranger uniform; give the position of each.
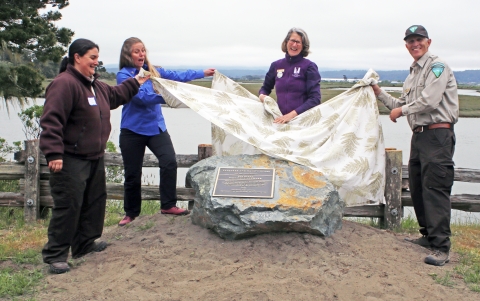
(430, 102)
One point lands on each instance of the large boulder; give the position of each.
(303, 201)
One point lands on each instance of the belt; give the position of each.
(422, 128)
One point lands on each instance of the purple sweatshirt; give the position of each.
(297, 83)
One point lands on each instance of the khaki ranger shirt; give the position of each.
(429, 93)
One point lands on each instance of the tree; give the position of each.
(100, 67)
(104, 74)
(113, 174)
(18, 79)
(31, 121)
(27, 39)
(6, 149)
(31, 127)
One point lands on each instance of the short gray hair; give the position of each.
(305, 40)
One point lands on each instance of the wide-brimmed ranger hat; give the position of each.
(417, 30)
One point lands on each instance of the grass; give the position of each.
(114, 211)
(465, 242)
(409, 225)
(149, 224)
(445, 280)
(20, 282)
(470, 87)
(9, 185)
(20, 247)
(469, 106)
(469, 269)
(21, 244)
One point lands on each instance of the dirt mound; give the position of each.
(167, 258)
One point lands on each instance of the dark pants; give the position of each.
(79, 198)
(431, 178)
(132, 146)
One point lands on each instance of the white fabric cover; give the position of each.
(341, 138)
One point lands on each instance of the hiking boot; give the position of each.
(175, 211)
(438, 258)
(96, 247)
(126, 220)
(421, 241)
(59, 267)
(99, 246)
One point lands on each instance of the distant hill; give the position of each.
(467, 76)
(463, 77)
(228, 71)
(396, 75)
(113, 70)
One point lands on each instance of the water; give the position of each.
(350, 80)
(189, 129)
(400, 89)
(460, 91)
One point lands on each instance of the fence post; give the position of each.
(204, 151)
(393, 189)
(32, 181)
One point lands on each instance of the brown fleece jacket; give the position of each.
(76, 122)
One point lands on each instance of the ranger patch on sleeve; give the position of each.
(437, 69)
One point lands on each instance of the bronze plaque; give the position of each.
(244, 182)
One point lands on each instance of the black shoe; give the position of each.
(96, 247)
(421, 241)
(99, 246)
(59, 267)
(438, 258)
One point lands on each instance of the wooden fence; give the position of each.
(32, 171)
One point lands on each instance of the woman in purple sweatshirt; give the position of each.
(295, 78)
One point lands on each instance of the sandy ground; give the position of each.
(176, 260)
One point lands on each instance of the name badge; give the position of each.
(92, 101)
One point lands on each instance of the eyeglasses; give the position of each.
(295, 42)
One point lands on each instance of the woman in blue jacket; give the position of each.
(143, 126)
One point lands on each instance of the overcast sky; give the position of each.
(229, 33)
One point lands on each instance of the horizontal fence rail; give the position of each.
(35, 189)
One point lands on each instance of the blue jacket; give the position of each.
(143, 115)
(297, 84)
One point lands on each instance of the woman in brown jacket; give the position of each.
(76, 127)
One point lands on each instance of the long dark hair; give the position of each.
(126, 56)
(80, 46)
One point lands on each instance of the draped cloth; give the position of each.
(342, 137)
